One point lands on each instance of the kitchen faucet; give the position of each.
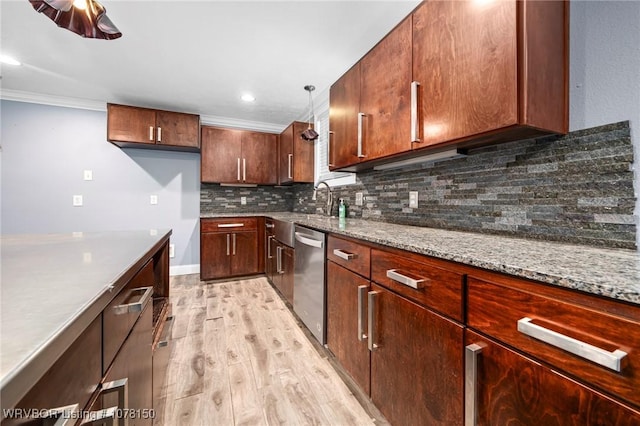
(329, 195)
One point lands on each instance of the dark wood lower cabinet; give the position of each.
(228, 254)
(512, 389)
(342, 323)
(244, 253)
(281, 268)
(416, 362)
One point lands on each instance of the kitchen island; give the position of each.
(55, 286)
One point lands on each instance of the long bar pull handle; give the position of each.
(403, 279)
(234, 244)
(344, 255)
(150, 133)
(329, 136)
(137, 306)
(244, 169)
(269, 255)
(60, 416)
(166, 332)
(159, 134)
(239, 170)
(230, 225)
(615, 360)
(290, 166)
(361, 115)
(472, 352)
(110, 416)
(415, 125)
(279, 260)
(362, 291)
(269, 225)
(372, 320)
(227, 244)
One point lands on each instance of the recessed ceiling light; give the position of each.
(247, 97)
(9, 60)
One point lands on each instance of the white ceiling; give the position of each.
(197, 56)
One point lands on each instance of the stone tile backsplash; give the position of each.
(576, 188)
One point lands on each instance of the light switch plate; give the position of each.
(359, 198)
(413, 199)
(153, 199)
(77, 200)
(88, 175)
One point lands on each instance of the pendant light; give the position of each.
(88, 18)
(310, 134)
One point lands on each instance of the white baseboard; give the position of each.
(184, 269)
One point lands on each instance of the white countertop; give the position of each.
(48, 284)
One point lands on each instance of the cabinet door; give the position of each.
(416, 365)
(385, 94)
(303, 155)
(259, 158)
(342, 323)
(244, 253)
(512, 389)
(177, 129)
(221, 155)
(464, 57)
(286, 280)
(215, 250)
(131, 124)
(285, 153)
(344, 99)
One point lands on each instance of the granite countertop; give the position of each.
(614, 273)
(53, 286)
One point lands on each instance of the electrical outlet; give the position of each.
(153, 199)
(243, 200)
(88, 175)
(359, 198)
(77, 200)
(172, 250)
(413, 199)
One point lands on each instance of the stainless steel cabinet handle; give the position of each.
(110, 416)
(329, 163)
(228, 245)
(472, 352)
(137, 306)
(234, 244)
(159, 134)
(362, 290)
(150, 133)
(269, 255)
(403, 279)
(614, 360)
(60, 416)
(361, 115)
(307, 240)
(105, 417)
(290, 166)
(230, 225)
(372, 320)
(270, 225)
(244, 169)
(415, 133)
(166, 332)
(344, 255)
(279, 260)
(239, 170)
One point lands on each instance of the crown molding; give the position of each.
(95, 105)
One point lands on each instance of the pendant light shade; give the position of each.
(310, 134)
(87, 18)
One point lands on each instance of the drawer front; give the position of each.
(571, 337)
(72, 379)
(229, 224)
(349, 254)
(420, 279)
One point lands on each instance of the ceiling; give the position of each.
(197, 56)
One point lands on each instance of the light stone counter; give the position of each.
(52, 287)
(613, 273)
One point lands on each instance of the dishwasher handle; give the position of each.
(308, 240)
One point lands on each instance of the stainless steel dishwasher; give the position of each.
(308, 284)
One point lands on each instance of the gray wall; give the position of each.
(45, 150)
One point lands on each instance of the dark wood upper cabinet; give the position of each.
(134, 127)
(238, 156)
(296, 155)
(454, 75)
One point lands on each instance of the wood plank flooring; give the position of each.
(239, 357)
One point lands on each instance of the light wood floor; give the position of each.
(240, 358)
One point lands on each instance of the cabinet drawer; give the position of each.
(120, 316)
(353, 256)
(581, 340)
(229, 224)
(420, 279)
